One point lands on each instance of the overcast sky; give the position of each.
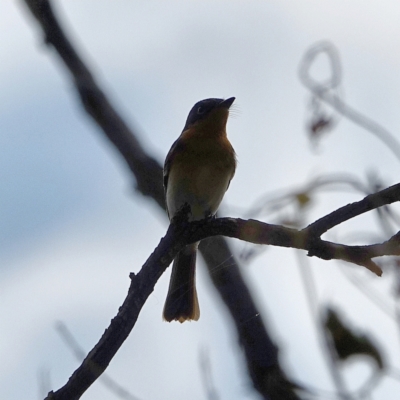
(73, 227)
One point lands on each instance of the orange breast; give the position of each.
(200, 173)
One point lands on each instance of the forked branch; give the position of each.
(180, 233)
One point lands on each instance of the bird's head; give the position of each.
(210, 114)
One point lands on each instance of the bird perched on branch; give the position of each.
(197, 173)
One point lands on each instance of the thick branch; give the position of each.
(147, 171)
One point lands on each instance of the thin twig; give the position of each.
(324, 92)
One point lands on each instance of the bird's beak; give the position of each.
(226, 103)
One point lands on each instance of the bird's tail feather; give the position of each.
(181, 303)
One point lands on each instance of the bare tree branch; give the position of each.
(80, 354)
(181, 233)
(371, 202)
(147, 171)
(258, 347)
(261, 353)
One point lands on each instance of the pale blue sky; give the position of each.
(73, 227)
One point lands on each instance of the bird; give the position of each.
(197, 172)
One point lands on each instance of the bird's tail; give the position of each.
(181, 303)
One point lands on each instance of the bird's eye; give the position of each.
(201, 110)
